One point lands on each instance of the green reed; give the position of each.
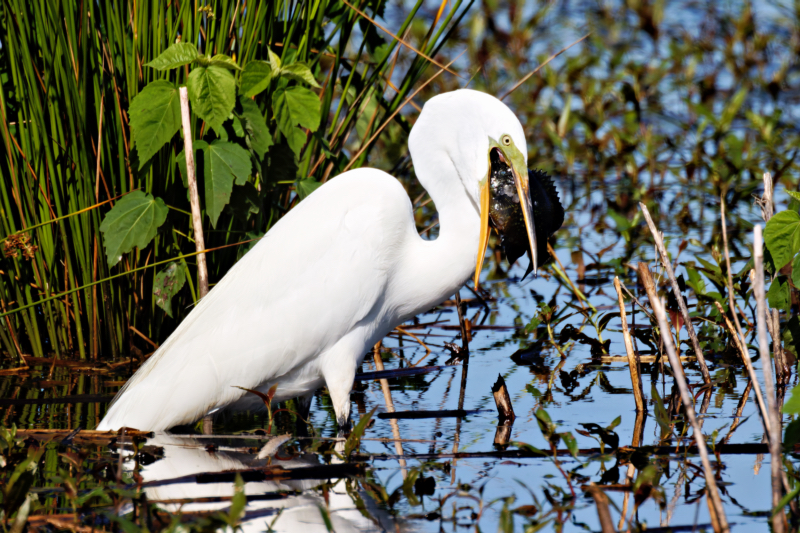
(69, 72)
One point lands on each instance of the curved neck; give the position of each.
(433, 270)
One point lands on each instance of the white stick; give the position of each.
(194, 198)
(763, 347)
(719, 521)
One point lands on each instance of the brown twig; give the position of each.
(399, 40)
(677, 291)
(396, 111)
(778, 517)
(387, 397)
(537, 69)
(716, 509)
(603, 514)
(633, 363)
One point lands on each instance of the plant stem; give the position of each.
(194, 198)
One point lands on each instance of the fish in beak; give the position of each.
(506, 186)
(522, 207)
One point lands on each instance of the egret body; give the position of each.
(335, 275)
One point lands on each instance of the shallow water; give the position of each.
(474, 489)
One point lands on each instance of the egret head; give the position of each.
(482, 137)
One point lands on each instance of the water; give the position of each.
(463, 492)
(417, 483)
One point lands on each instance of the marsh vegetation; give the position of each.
(680, 106)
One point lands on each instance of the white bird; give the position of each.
(335, 275)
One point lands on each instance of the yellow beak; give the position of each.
(521, 181)
(483, 241)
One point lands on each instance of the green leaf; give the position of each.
(238, 502)
(295, 106)
(545, 423)
(299, 72)
(730, 111)
(258, 138)
(796, 271)
(792, 405)
(662, 417)
(533, 390)
(782, 237)
(778, 294)
(133, 221)
(785, 500)
(296, 139)
(572, 444)
(791, 435)
(255, 78)
(614, 423)
(223, 61)
(167, 284)
(175, 56)
(224, 161)
(354, 439)
(794, 194)
(155, 118)
(212, 91)
(274, 60)
(306, 186)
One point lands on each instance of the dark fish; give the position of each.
(506, 216)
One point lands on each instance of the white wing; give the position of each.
(315, 275)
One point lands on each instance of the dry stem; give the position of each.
(719, 521)
(662, 251)
(778, 518)
(633, 363)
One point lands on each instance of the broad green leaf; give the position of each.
(782, 237)
(224, 161)
(778, 295)
(296, 139)
(212, 91)
(306, 186)
(175, 56)
(274, 60)
(791, 435)
(167, 284)
(258, 137)
(255, 78)
(793, 194)
(792, 405)
(295, 106)
(238, 129)
(221, 60)
(155, 118)
(299, 72)
(133, 221)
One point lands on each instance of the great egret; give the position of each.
(336, 274)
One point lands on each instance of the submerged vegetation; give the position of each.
(661, 117)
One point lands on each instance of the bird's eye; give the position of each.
(506, 139)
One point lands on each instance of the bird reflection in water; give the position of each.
(284, 505)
